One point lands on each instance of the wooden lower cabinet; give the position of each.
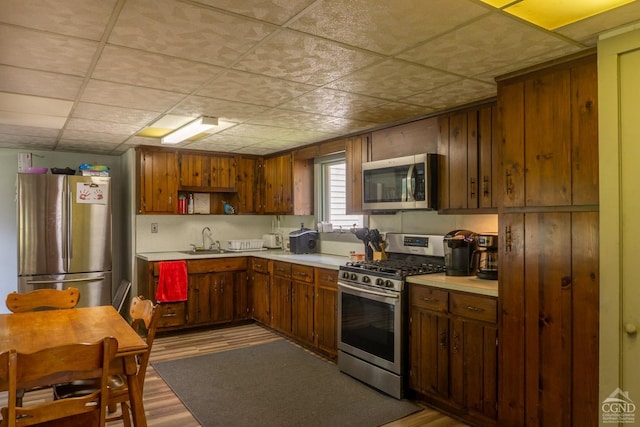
(217, 292)
(297, 300)
(259, 286)
(210, 298)
(454, 353)
(326, 311)
(302, 302)
(280, 298)
(302, 311)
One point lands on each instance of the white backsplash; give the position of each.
(177, 232)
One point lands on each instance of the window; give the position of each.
(333, 194)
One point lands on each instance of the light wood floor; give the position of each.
(164, 409)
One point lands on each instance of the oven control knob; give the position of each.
(345, 275)
(366, 279)
(353, 276)
(388, 284)
(380, 282)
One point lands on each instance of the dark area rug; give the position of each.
(276, 384)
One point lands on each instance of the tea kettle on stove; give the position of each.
(460, 253)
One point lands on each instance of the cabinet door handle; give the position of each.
(443, 339)
(472, 186)
(485, 186)
(507, 238)
(508, 182)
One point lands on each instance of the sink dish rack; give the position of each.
(246, 245)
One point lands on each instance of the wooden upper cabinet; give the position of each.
(467, 168)
(288, 185)
(550, 137)
(303, 191)
(207, 172)
(356, 153)
(157, 181)
(417, 137)
(278, 186)
(248, 196)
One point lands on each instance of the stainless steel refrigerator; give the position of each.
(64, 235)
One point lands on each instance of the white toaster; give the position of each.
(272, 240)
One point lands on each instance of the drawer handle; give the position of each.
(303, 274)
(429, 299)
(258, 265)
(474, 309)
(169, 315)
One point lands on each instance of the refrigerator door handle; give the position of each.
(46, 282)
(68, 246)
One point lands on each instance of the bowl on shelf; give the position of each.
(37, 170)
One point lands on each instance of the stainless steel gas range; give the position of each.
(372, 310)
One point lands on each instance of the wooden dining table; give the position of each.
(33, 331)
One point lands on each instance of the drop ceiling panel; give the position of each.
(98, 147)
(332, 102)
(78, 18)
(253, 89)
(384, 26)
(39, 83)
(391, 112)
(141, 98)
(275, 11)
(112, 128)
(139, 118)
(393, 80)
(27, 142)
(186, 31)
(46, 52)
(489, 43)
(228, 110)
(123, 65)
(301, 58)
(452, 94)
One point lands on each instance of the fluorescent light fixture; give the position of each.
(199, 125)
(553, 14)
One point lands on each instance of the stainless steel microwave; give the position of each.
(402, 183)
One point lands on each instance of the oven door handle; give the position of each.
(367, 291)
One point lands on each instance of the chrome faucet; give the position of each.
(208, 230)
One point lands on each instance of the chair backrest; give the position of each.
(53, 365)
(121, 294)
(142, 311)
(42, 299)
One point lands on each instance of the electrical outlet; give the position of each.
(154, 227)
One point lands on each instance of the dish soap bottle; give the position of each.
(190, 204)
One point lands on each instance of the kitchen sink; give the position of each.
(204, 252)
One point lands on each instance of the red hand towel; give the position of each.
(172, 284)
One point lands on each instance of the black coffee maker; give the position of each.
(459, 253)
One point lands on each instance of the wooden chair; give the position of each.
(143, 313)
(42, 299)
(52, 365)
(38, 300)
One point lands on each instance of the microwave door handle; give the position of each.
(410, 195)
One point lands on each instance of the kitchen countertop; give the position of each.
(313, 260)
(469, 284)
